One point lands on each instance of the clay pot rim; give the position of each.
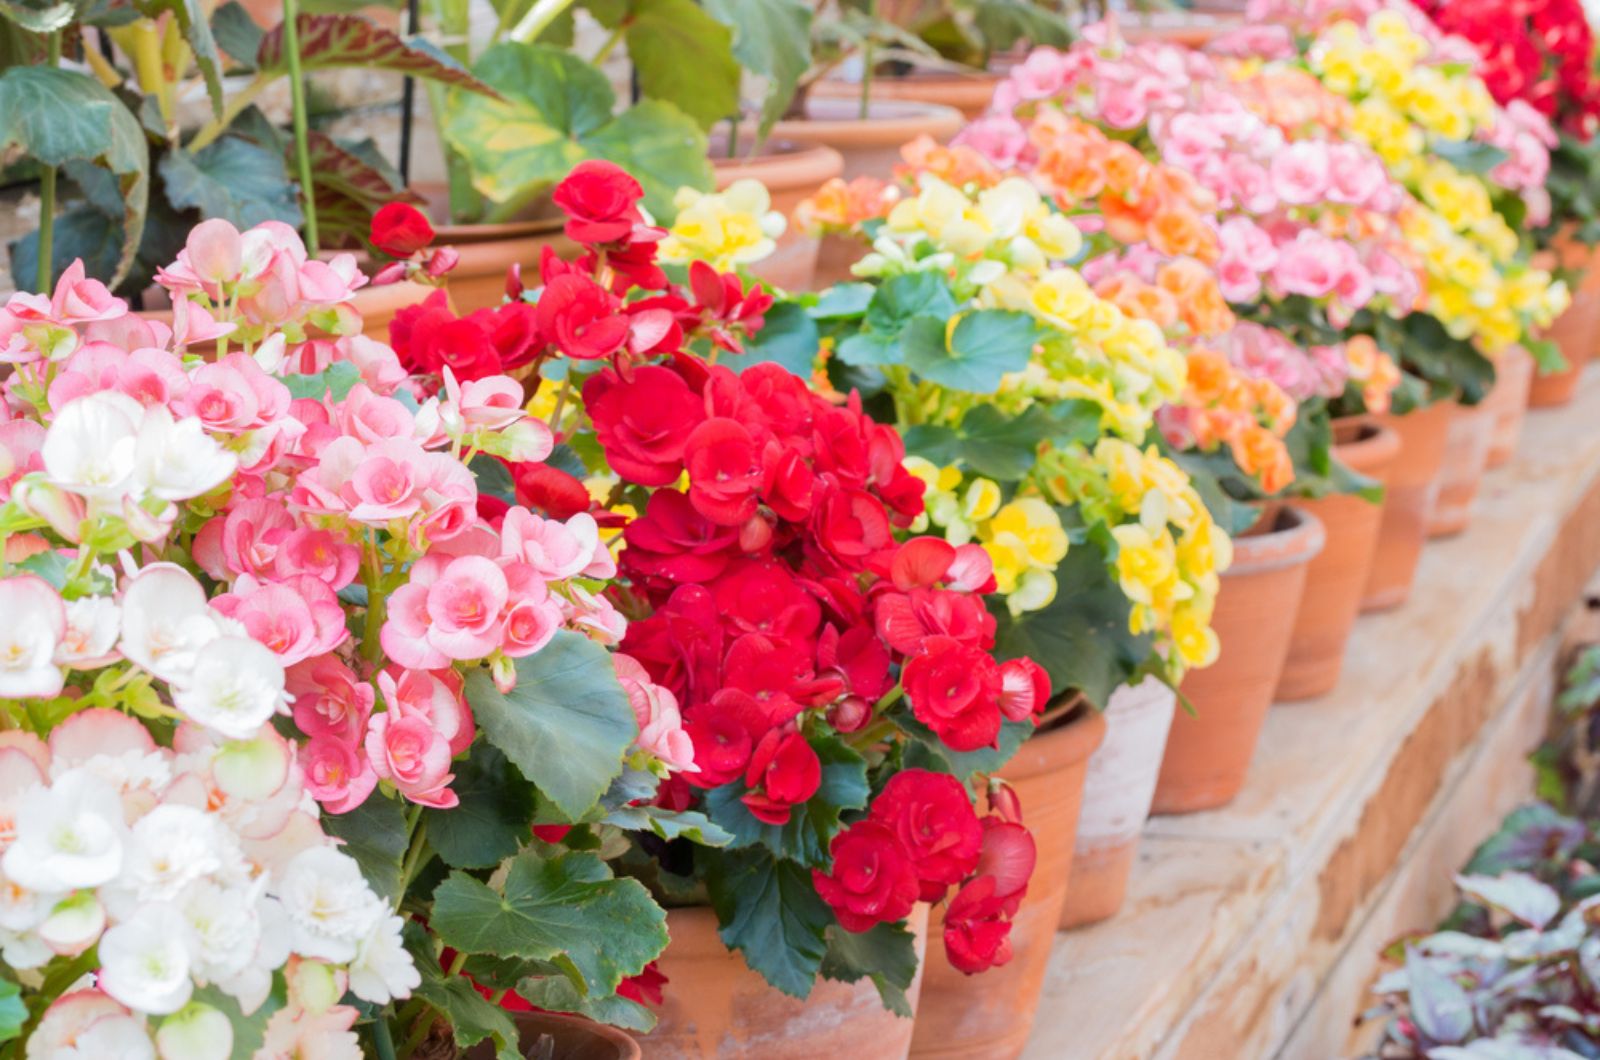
(1283, 546)
(699, 936)
(628, 1047)
(782, 165)
(901, 119)
(919, 77)
(474, 234)
(1073, 741)
(1373, 445)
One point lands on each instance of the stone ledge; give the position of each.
(1252, 931)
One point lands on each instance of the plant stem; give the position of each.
(297, 92)
(610, 44)
(867, 49)
(235, 106)
(561, 401)
(47, 199)
(382, 1040)
(417, 829)
(538, 18)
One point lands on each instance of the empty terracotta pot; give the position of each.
(991, 1017)
(968, 93)
(1407, 504)
(1508, 402)
(791, 172)
(870, 146)
(1116, 800)
(715, 1006)
(1209, 751)
(1337, 577)
(1574, 333)
(1466, 456)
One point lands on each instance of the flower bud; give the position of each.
(850, 714)
(1003, 801)
(195, 1032)
(514, 287)
(313, 986)
(62, 510)
(755, 534)
(504, 672)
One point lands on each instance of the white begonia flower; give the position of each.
(92, 445)
(170, 848)
(93, 625)
(195, 1032)
(24, 950)
(331, 909)
(177, 459)
(123, 1037)
(166, 621)
(144, 961)
(69, 835)
(383, 970)
(234, 688)
(74, 924)
(224, 929)
(33, 620)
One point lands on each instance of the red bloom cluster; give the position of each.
(1538, 51)
(920, 838)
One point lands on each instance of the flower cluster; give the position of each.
(1249, 415)
(725, 229)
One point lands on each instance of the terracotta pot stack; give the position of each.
(1466, 456)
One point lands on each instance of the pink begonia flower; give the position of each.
(1300, 173)
(661, 731)
(151, 377)
(451, 609)
(296, 619)
(556, 550)
(234, 396)
(329, 700)
(1355, 175)
(595, 616)
(998, 137)
(214, 251)
(377, 362)
(491, 403)
(1247, 185)
(90, 640)
(532, 615)
(20, 441)
(366, 416)
(89, 1023)
(408, 752)
(80, 300)
(324, 1035)
(33, 622)
(1266, 42)
(338, 774)
(435, 695)
(1306, 266)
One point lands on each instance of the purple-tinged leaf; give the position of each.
(1516, 894)
(332, 41)
(1439, 1005)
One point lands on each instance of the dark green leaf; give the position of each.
(471, 1016)
(1469, 156)
(233, 179)
(491, 822)
(555, 993)
(1004, 446)
(668, 824)
(1005, 23)
(842, 301)
(80, 232)
(912, 294)
(374, 833)
(770, 912)
(567, 725)
(869, 348)
(886, 954)
(567, 909)
(789, 338)
(684, 56)
(494, 478)
(13, 1013)
(237, 33)
(812, 825)
(964, 764)
(985, 345)
(38, 18)
(771, 38)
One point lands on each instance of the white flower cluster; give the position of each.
(201, 865)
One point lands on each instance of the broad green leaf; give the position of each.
(333, 41)
(843, 301)
(1004, 23)
(813, 824)
(59, 116)
(984, 346)
(491, 822)
(1469, 156)
(771, 38)
(567, 725)
(789, 338)
(684, 56)
(52, 566)
(568, 909)
(963, 764)
(472, 1017)
(493, 478)
(38, 18)
(1081, 638)
(555, 993)
(886, 954)
(870, 348)
(193, 18)
(237, 33)
(661, 146)
(233, 179)
(13, 1013)
(1001, 445)
(770, 912)
(374, 833)
(337, 380)
(1528, 839)
(82, 231)
(911, 294)
(687, 824)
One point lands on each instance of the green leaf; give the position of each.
(788, 338)
(472, 1017)
(1081, 638)
(193, 20)
(1004, 23)
(911, 294)
(771, 38)
(13, 1013)
(568, 909)
(985, 345)
(661, 146)
(813, 824)
(684, 56)
(237, 33)
(233, 179)
(336, 380)
(557, 994)
(493, 478)
(351, 183)
(330, 42)
(38, 18)
(1469, 156)
(870, 348)
(51, 566)
(83, 231)
(668, 824)
(491, 821)
(885, 953)
(770, 912)
(374, 833)
(843, 301)
(567, 725)
(59, 116)
(1004, 446)
(964, 764)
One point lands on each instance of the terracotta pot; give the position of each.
(377, 306)
(791, 172)
(1575, 333)
(715, 1006)
(1407, 504)
(1116, 800)
(1209, 751)
(970, 93)
(991, 1017)
(871, 146)
(1336, 578)
(574, 1038)
(1466, 455)
(835, 256)
(1508, 401)
(479, 279)
(1184, 29)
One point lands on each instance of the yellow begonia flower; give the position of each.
(726, 229)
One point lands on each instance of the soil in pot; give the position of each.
(1575, 333)
(1208, 752)
(792, 172)
(1466, 456)
(715, 1006)
(870, 146)
(1407, 504)
(1337, 577)
(990, 1016)
(569, 1038)
(969, 93)
(1116, 800)
(1508, 403)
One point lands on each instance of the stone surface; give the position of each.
(1254, 931)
